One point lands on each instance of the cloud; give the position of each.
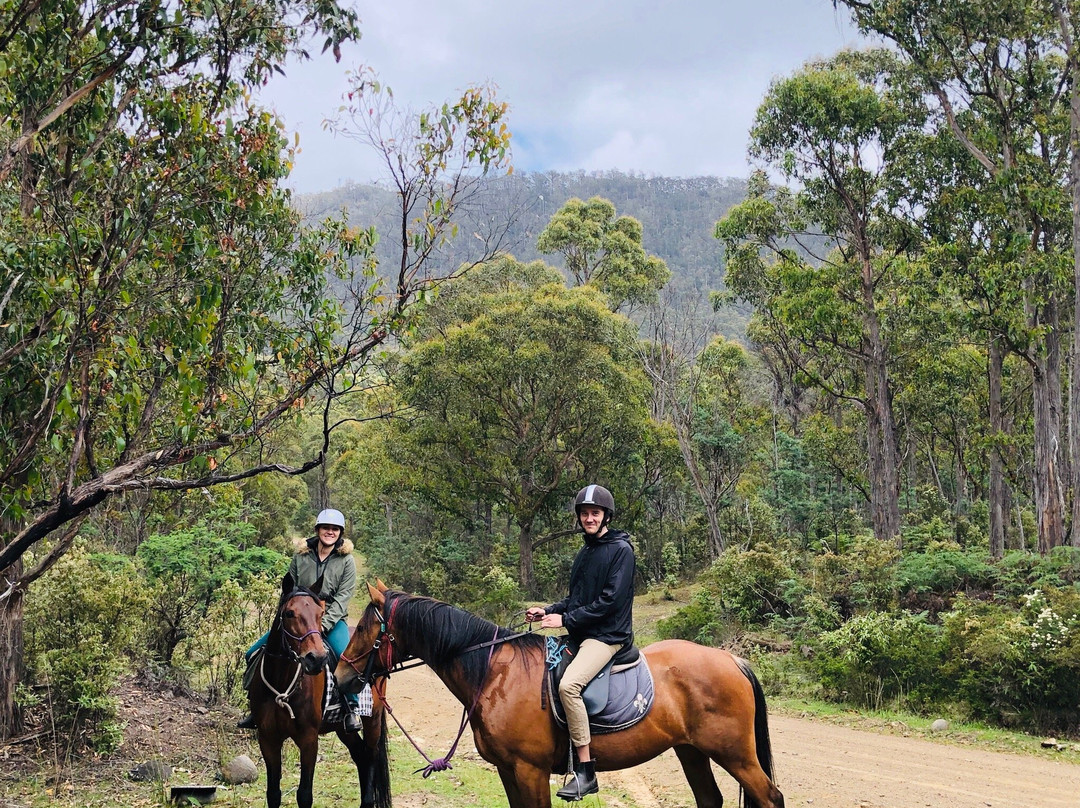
(592, 84)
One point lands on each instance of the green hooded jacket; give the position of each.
(338, 572)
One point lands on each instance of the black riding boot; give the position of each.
(351, 721)
(247, 722)
(582, 783)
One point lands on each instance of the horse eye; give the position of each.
(289, 613)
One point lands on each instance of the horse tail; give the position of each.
(761, 724)
(380, 770)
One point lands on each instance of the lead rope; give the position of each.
(282, 699)
(443, 763)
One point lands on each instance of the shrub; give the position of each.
(700, 621)
(213, 655)
(1017, 667)
(930, 580)
(753, 585)
(189, 567)
(1021, 572)
(881, 657)
(83, 621)
(861, 579)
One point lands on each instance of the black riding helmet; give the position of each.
(596, 495)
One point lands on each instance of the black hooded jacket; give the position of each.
(601, 600)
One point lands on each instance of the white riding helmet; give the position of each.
(329, 516)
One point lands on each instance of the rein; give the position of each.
(443, 763)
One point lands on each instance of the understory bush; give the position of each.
(752, 585)
(1017, 667)
(881, 658)
(84, 623)
(212, 657)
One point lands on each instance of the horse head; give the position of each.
(369, 653)
(300, 617)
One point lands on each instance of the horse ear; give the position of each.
(287, 584)
(317, 589)
(380, 585)
(376, 595)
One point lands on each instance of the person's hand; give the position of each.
(551, 621)
(534, 613)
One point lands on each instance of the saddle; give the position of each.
(618, 696)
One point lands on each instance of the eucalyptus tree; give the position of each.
(604, 250)
(535, 386)
(162, 309)
(830, 128)
(999, 74)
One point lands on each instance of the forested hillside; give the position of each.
(677, 215)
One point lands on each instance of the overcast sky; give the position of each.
(658, 88)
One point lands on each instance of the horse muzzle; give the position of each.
(313, 663)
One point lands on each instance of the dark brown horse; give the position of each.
(709, 705)
(286, 697)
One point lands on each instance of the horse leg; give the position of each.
(372, 765)
(309, 754)
(760, 791)
(526, 786)
(698, 771)
(271, 752)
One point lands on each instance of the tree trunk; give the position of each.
(881, 429)
(1074, 380)
(525, 559)
(11, 652)
(1049, 499)
(998, 506)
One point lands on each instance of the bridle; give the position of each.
(281, 697)
(290, 652)
(370, 674)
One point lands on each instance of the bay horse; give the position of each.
(286, 698)
(708, 704)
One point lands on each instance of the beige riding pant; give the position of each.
(590, 659)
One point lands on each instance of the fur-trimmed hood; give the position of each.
(304, 546)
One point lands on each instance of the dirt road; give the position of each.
(817, 764)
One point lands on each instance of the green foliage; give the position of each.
(879, 657)
(604, 250)
(1017, 667)
(1021, 572)
(213, 652)
(930, 580)
(752, 585)
(188, 568)
(702, 621)
(82, 625)
(858, 580)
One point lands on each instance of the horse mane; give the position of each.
(439, 634)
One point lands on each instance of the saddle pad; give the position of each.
(333, 711)
(630, 697)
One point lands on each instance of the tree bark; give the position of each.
(525, 559)
(998, 507)
(12, 667)
(881, 425)
(1074, 379)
